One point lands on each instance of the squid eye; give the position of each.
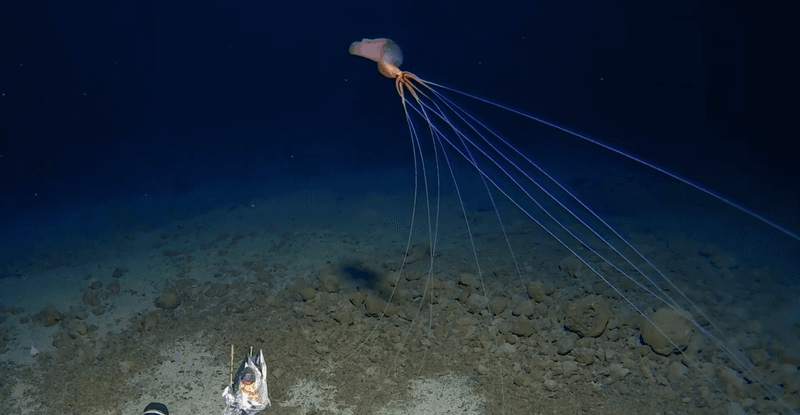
(391, 53)
(248, 378)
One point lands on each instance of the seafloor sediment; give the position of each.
(156, 320)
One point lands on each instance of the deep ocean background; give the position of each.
(134, 104)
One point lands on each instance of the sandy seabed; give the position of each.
(312, 278)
